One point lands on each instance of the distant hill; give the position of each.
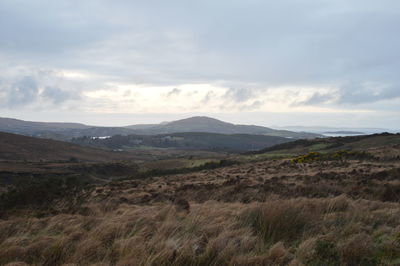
(328, 130)
(363, 142)
(18, 147)
(189, 140)
(344, 132)
(58, 131)
(67, 131)
(211, 125)
(93, 132)
(26, 127)
(142, 126)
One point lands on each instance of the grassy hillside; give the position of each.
(18, 147)
(193, 141)
(355, 143)
(211, 125)
(26, 127)
(66, 131)
(336, 211)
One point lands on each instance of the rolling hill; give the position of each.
(337, 130)
(265, 212)
(67, 131)
(18, 147)
(187, 141)
(211, 125)
(377, 142)
(25, 127)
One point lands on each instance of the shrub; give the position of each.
(40, 193)
(345, 154)
(185, 170)
(307, 158)
(390, 193)
(277, 221)
(357, 249)
(325, 253)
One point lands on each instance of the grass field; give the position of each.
(329, 208)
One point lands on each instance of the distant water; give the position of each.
(342, 135)
(102, 137)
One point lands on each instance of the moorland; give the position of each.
(321, 201)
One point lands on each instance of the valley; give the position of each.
(306, 202)
(67, 131)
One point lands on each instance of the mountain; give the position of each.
(207, 124)
(187, 141)
(18, 147)
(58, 131)
(211, 125)
(67, 131)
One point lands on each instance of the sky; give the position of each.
(119, 62)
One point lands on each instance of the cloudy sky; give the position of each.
(118, 62)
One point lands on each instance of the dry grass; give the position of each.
(263, 213)
(278, 232)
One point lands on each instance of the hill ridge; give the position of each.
(67, 131)
(25, 148)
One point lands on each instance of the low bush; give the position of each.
(325, 253)
(341, 155)
(185, 170)
(40, 194)
(277, 221)
(307, 158)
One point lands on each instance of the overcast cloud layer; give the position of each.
(300, 62)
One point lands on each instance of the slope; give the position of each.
(211, 125)
(271, 212)
(18, 147)
(379, 142)
(67, 131)
(188, 140)
(26, 127)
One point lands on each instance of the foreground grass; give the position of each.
(336, 231)
(339, 208)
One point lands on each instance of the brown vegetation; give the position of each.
(309, 231)
(18, 147)
(274, 212)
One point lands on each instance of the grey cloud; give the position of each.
(56, 95)
(28, 90)
(316, 99)
(174, 91)
(241, 44)
(47, 29)
(252, 106)
(22, 92)
(368, 94)
(209, 96)
(239, 94)
(354, 94)
(260, 42)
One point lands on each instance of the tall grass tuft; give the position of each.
(277, 221)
